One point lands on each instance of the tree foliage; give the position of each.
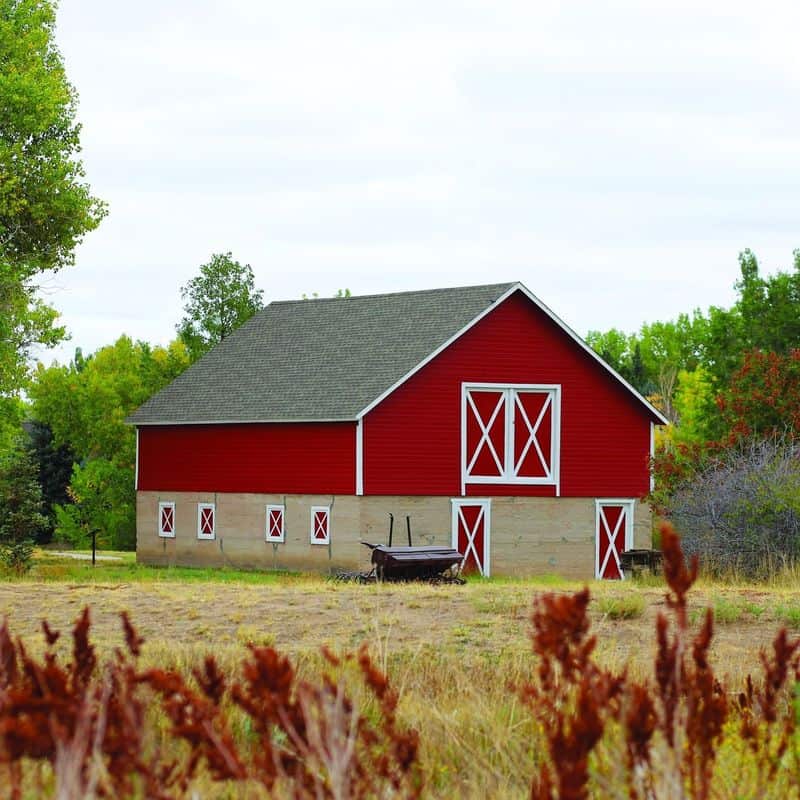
(45, 205)
(54, 465)
(216, 302)
(763, 396)
(85, 405)
(661, 358)
(21, 518)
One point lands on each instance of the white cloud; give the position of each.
(614, 156)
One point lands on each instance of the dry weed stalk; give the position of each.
(89, 723)
(672, 728)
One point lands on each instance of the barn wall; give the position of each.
(412, 440)
(294, 458)
(529, 535)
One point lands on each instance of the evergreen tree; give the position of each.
(21, 518)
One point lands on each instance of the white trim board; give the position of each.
(359, 457)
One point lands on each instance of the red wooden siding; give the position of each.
(291, 458)
(412, 440)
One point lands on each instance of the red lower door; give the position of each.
(614, 536)
(470, 534)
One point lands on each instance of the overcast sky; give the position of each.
(613, 156)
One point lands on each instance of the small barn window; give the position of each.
(510, 433)
(320, 524)
(206, 520)
(166, 520)
(275, 529)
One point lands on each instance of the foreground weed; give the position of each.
(666, 735)
(88, 721)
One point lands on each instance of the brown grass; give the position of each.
(450, 651)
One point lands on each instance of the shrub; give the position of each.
(742, 512)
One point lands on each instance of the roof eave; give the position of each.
(151, 423)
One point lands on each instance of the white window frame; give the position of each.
(281, 537)
(629, 506)
(312, 531)
(510, 469)
(161, 532)
(200, 508)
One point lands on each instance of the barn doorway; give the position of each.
(471, 532)
(613, 536)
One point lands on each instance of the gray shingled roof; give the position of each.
(316, 359)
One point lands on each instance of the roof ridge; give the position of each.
(505, 284)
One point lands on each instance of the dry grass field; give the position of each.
(451, 651)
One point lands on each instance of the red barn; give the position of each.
(475, 411)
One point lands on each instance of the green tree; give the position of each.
(696, 408)
(21, 517)
(103, 499)
(54, 464)
(85, 404)
(216, 302)
(45, 205)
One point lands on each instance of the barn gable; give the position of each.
(511, 407)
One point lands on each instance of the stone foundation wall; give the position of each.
(529, 535)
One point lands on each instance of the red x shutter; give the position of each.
(167, 520)
(612, 527)
(275, 523)
(485, 433)
(320, 525)
(207, 521)
(470, 534)
(533, 427)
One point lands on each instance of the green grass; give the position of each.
(55, 568)
(726, 612)
(789, 615)
(629, 606)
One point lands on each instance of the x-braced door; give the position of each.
(614, 535)
(471, 528)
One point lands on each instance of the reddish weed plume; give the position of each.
(89, 722)
(573, 696)
(671, 729)
(329, 750)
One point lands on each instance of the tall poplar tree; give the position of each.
(46, 207)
